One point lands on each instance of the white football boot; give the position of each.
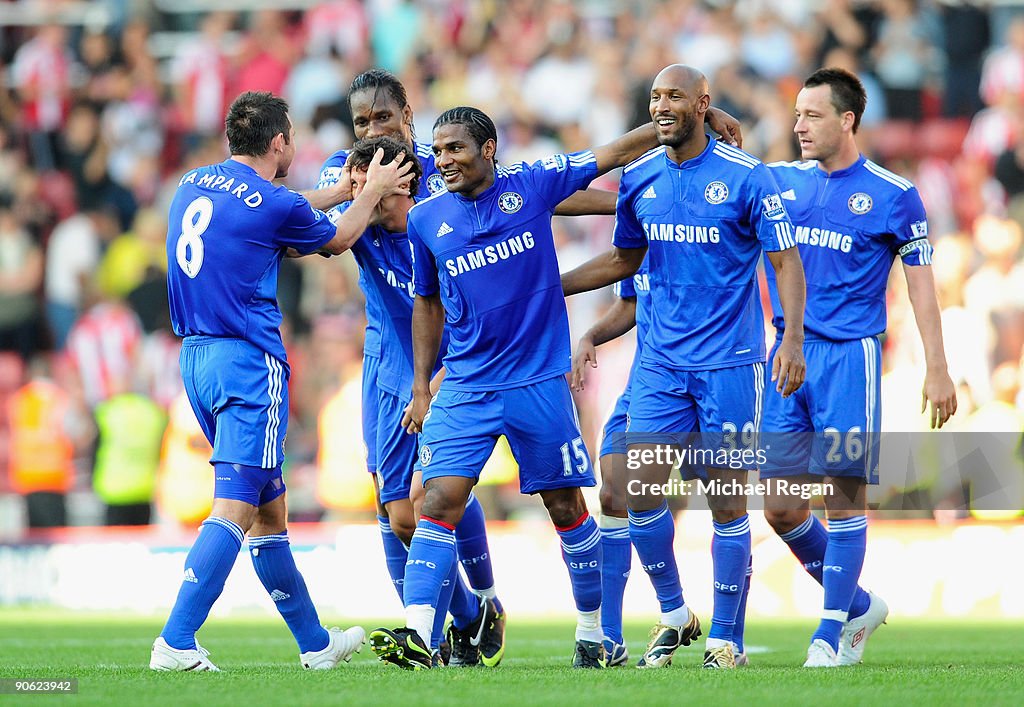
(341, 647)
(820, 655)
(164, 657)
(856, 632)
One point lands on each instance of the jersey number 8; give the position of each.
(194, 222)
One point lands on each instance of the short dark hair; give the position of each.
(254, 119)
(361, 155)
(378, 79)
(847, 91)
(480, 126)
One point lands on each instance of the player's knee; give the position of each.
(443, 504)
(784, 520)
(565, 508)
(613, 502)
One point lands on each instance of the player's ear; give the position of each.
(703, 103)
(407, 115)
(488, 149)
(847, 121)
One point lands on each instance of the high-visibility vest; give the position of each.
(128, 449)
(185, 481)
(41, 453)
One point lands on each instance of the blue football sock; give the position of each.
(275, 566)
(395, 554)
(808, 542)
(616, 558)
(581, 552)
(207, 567)
(844, 558)
(465, 605)
(444, 600)
(431, 556)
(730, 554)
(474, 555)
(741, 613)
(652, 534)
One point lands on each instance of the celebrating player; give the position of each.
(702, 211)
(385, 266)
(379, 108)
(229, 228)
(852, 218)
(484, 259)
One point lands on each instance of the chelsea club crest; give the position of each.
(716, 192)
(510, 202)
(860, 203)
(435, 183)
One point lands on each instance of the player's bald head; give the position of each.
(683, 77)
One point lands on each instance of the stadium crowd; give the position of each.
(103, 111)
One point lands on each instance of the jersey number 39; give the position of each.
(194, 222)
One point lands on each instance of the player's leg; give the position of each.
(210, 379)
(544, 434)
(729, 404)
(458, 437)
(475, 558)
(659, 409)
(845, 453)
(272, 558)
(616, 550)
(738, 643)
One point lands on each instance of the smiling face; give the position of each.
(467, 168)
(375, 113)
(678, 103)
(819, 127)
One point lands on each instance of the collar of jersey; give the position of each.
(693, 161)
(840, 173)
(235, 164)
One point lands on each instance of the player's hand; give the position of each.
(788, 367)
(586, 354)
(341, 191)
(388, 179)
(415, 412)
(725, 125)
(940, 391)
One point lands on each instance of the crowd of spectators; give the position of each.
(105, 104)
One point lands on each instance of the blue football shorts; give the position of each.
(239, 394)
(539, 420)
(830, 426)
(613, 437)
(396, 450)
(712, 411)
(371, 394)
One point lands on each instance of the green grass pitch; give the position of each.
(909, 662)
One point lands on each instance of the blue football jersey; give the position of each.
(227, 231)
(385, 276)
(493, 261)
(849, 226)
(705, 223)
(638, 287)
(430, 183)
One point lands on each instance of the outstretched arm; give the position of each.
(427, 330)
(620, 318)
(938, 386)
(789, 367)
(587, 202)
(725, 125)
(329, 197)
(603, 270)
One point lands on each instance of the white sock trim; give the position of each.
(676, 617)
(420, 618)
(835, 615)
